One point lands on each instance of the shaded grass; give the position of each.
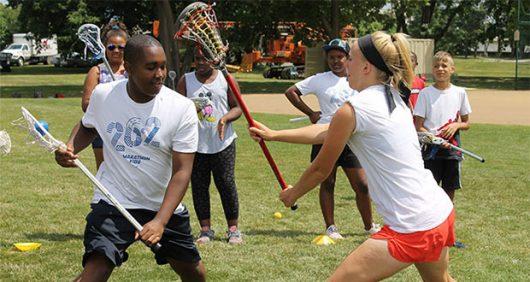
(45, 203)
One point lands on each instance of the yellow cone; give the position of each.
(24, 247)
(323, 240)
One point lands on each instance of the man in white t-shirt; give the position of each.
(150, 138)
(332, 90)
(443, 109)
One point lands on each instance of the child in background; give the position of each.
(417, 84)
(443, 109)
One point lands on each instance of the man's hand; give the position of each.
(450, 130)
(315, 116)
(66, 158)
(151, 232)
(221, 128)
(287, 196)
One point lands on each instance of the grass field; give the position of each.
(41, 202)
(475, 73)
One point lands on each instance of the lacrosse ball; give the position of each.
(26, 247)
(42, 124)
(278, 215)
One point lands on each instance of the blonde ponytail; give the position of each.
(395, 52)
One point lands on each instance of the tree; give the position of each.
(8, 24)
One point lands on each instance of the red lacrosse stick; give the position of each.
(197, 22)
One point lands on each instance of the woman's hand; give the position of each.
(288, 197)
(261, 132)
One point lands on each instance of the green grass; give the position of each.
(25, 81)
(491, 73)
(69, 82)
(490, 67)
(42, 202)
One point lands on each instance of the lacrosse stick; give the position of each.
(429, 138)
(198, 23)
(5, 142)
(90, 35)
(172, 75)
(48, 142)
(299, 119)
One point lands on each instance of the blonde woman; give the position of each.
(377, 125)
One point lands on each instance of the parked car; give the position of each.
(75, 60)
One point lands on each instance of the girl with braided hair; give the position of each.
(114, 36)
(377, 126)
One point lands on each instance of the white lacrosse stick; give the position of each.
(47, 141)
(90, 35)
(431, 139)
(5, 142)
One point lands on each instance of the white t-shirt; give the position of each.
(331, 91)
(138, 141)
(404, 192)
(216, 92)
(440, 107)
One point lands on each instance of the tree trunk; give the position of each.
(166, 33)
(335, 19)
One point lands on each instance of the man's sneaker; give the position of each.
(333, 232)
(375, 228)
(234, 237)
(206, 237)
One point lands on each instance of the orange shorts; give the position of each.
(420, 246)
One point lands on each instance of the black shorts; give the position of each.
(109, 233)
(347, 158)
(446, 172)
(97, 143)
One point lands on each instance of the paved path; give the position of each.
(489, 106)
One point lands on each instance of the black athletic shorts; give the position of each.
(109, 233)
(445, 172)
(347, 158)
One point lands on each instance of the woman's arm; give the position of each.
(340, 130)
(91, 81)
(311, 134)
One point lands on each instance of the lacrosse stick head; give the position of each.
(90, 35)
(5, 142)
(429, 138)
(198, 23)
(37, 132)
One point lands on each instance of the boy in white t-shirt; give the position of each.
(443, 109)
(150, 138)
(332, 90)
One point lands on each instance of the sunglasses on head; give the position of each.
(111, 47)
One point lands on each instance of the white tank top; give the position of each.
(404, 192)
(216, 92)
(105, 77)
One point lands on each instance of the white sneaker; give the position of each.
(333, 232)
(375, 228)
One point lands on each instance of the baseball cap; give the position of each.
(337, 44)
